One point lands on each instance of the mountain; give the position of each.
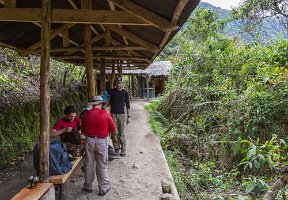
(270, 29)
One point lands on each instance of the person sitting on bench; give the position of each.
(65, 125)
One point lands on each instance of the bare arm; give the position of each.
(55, 133)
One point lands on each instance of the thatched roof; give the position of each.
(160, 68)
(135, 30)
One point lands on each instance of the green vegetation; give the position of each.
(19, 90)
(223, 119)
(20, 125)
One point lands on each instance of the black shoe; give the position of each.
(102, 193)
(116, 153)
(86, 190)
(123, 153)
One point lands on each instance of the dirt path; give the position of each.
(136, 176)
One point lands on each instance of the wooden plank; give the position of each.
(112, 7)
(112, 77)
(100, 48)
(73, 4)
(33, 194)
(89, 61)
(20, 14)
(71, 16)
(91, 82)
(95, 17)
(45, 92)
(61, 179)
(53, 34)
(95, 39)
(179, 8)
(105, 57)
(9, 3)
(65, 34)
(133, 37)
(102, 76)
(146, 15)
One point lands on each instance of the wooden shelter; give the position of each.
(95, 34)
(149, 81)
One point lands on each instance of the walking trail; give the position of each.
(137, 176)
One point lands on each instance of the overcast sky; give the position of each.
(227, 4)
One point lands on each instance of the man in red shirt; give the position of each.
(65, 125)
(96, 124)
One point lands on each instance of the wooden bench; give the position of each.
(61, 182)
(61, 179)
(31, 194)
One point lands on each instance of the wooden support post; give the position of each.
(132, 82)
(45, 92)
(129, 86)
(112, 77)
(147, 86)
(87, 4)
(119, 69)
(102, 76)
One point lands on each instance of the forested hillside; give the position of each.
(223, 119)
(270, 29)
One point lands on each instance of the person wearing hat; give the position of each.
(119, 98)
(87, 108)
(96, 124)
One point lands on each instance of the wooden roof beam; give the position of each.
(93, 40)
(101, 48)
(145, 14)
(105, 57)
(112, 7)
(53, 34)
(9, 3)
(134, 38)
(180, 6)
(74, 6)
(84, 16)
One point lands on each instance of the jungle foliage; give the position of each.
(19, 92)
(223, 119)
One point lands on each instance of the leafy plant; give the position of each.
(269, 154)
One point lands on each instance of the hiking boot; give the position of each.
(102, 193)
(116, 152)
(87, 190)
(123, 152)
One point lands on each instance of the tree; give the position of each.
(255, 11)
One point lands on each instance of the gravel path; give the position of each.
(137, 176)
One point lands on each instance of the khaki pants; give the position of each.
(96, 152)
(119, 140)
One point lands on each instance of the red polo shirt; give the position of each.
(97, 122)
(62, 123)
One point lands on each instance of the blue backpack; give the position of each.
(58, 159)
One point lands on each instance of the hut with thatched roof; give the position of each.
(150, 81)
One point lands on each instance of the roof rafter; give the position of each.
(134, 38)
(145, 14)
(84, 16)
(112, 7)
(53, 34)
(100, 48)
(105, 57)
(180, 6)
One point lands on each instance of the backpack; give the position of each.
(58, 158)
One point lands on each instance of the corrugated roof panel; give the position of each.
(23, 35)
